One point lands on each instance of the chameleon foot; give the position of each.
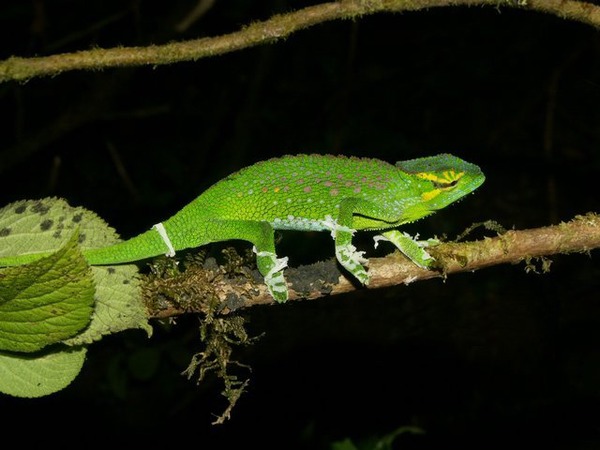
(353, 261)
(412, 249)
(272, 269)
(277, 287)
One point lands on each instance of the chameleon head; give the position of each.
(442, 180)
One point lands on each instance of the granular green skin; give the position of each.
(296, 192)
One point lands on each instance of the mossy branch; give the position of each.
(271, 30)
(581, 234)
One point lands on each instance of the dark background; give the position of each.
(483, 360)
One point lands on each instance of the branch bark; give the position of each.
(581, 234)
(268, 31)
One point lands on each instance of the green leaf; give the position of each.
(41, 226)
(118, 304)
(385, 442)
(346, 444)
(45, 301)
(30, 227)
(28, 375)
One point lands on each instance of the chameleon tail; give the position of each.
(153, 242)
(146, 245)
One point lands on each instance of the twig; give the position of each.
(122, 172)
(201, 8)
(271, 30)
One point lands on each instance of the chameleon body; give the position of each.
(308, 193)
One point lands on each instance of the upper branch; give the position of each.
(277, 27)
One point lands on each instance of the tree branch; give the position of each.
(271, 30)
(201, 290)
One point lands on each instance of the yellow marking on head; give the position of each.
(426, 196)
(451, 175)
(447, 176)
(428, 176)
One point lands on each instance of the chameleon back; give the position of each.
(296, 192)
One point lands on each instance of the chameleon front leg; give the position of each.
(262, 236)
(412, 249)
(346, 253)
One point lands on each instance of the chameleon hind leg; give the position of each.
(262, 236)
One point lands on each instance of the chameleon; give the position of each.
(305, 192)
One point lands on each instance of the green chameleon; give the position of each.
(308, 193)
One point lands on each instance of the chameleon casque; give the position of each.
(308, 193)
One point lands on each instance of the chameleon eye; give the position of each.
(438, 185)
